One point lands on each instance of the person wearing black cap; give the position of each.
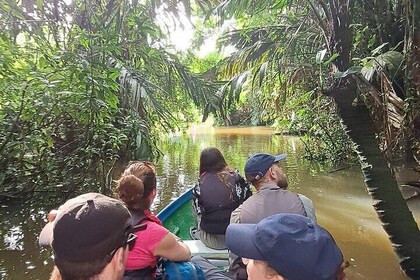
(286, 246)
(90, 236)
(270, 181)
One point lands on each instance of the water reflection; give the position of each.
(341, 201)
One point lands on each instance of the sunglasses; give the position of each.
(130, 240)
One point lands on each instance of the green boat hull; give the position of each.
(180, 222)
(179, 218)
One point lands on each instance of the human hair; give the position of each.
(211, 160)
(78, 271)
(271, 272)
(145, 171)
(134, 193)
(130, 190)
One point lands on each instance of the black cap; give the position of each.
(87, 228)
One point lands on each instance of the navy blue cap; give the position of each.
(291, 244)
(257, 165)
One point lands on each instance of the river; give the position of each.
(342, 203)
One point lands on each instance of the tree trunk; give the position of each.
(412, 77)
(392, 209)
(341, 38)
(397, 220)
(416, 47)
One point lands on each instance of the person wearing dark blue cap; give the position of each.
(286, 246)
(270, 181)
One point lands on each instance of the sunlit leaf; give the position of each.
(351, 70)
(320, 56)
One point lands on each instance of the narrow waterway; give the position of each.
(342, 203)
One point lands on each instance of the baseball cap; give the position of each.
(291, 244)
(257, 165)
(87, 228)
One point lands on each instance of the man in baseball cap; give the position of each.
(265, 173)
(89, 237)
(286, 246)
(257, 166)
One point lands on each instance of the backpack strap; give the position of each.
(195, 197)
(140, 274)
(137, 219)
(244, 188)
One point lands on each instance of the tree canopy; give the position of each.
(89, 84)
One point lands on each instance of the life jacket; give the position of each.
(137, 219)
(218, 194)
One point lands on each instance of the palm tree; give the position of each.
(271, 47)
(111, 83)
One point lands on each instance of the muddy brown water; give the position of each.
(342, 203)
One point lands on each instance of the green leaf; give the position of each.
(351, 70)
(39, 4)
(331, 59)
(320, 56)
(378, 49)
(262, 73)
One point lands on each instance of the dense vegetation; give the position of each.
(88, 84)
(287, 52)
(85, 84)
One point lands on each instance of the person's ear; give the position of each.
(120, 258)
(153, 194)
(272, 173)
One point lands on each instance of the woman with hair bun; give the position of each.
(137, 189)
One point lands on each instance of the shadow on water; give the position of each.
(342, 203)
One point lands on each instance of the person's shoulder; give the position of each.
(152, 233)
(304, 197)
(155, 227)
(251, 200)
(153, 224)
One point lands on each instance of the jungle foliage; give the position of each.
(88, 85)
(371, 72)
(286, 50)
(85, 85)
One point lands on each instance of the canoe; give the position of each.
(178, 218)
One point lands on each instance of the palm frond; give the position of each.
(235, 8)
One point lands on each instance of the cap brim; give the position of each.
(45, 237)
(280, 157)
(240, 239)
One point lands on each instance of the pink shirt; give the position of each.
(141, 255)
